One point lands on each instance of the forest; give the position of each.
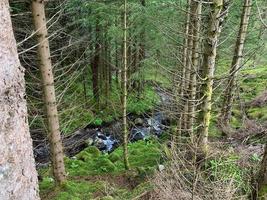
(133, 100)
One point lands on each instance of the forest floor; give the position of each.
(98, 176)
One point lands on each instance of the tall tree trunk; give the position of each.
(216, 18)
(124, 90)
(18, 177)
(180, 126)
(142, 53)
(196, 22)
(95, 63)
(236, 62)
(188, 68)
(38, 11)
(117, 63)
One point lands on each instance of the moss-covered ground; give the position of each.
(252, 82)
(93, 175)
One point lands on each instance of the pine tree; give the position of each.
(124, 89)
(38, 11)
(235, 67)
(216, 18)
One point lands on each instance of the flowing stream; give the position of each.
(107, 137)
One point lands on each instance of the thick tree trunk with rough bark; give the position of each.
(236, 62)
(124, 90)
(38, 11)
(18, 177)
(216, 17)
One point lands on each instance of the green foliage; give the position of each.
(98, 121)
(78, 117)
(138, 105)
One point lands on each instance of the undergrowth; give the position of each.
(144, 157)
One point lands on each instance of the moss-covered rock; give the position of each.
(93, 151)
(105, 165)
(84, 156)
(114, 157)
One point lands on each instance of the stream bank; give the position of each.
(106, 137)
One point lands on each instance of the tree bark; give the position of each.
(236, 62)
(124, 90)
(182, 103)
(216, 18)
(196, 22)
(188, 66)
(18, 177)
(38, 11)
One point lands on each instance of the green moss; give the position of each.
(78, 190)
(114, 157)
(105, 165)
(94, 151)
(84, 156)
(141, 153)
(47, 183)
(144, 157)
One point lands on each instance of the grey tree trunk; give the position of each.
(124, 90)
(188, 68)
(182, 102)
(57, 156)
(210, 51)
(18, 177)
(236, 62)
(196, 22)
